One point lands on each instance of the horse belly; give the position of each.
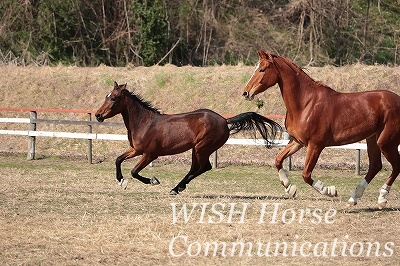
(174, 142)
(348, 138)
(351, 130)
(337, 128)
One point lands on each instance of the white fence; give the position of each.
(231, 141)
(33, 133)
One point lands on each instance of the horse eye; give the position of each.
(262, 70)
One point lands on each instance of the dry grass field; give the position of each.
(60, 210)
(171, 89)
(57, 211)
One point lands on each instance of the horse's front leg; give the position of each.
(312, 156)
(291, 148)
(143, 162)
(126, 155)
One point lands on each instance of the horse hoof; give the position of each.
(180, 189)
(123, 183)
(291, 190)
(351, 203)
(173, 193)
(329, 191)
(154, 181)
(382, 204)
(332, 191)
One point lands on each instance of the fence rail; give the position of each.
(32, 133)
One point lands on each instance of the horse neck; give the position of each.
(295, 86)
(136, 116)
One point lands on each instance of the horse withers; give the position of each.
(318, 116)
(153, 134)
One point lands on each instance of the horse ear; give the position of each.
(115, 85)
(124, 86)
(262, 54)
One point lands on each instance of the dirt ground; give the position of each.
(61, 211)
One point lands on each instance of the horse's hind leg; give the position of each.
(375, 165)
(392, 155)
(200, 164)
(193, 169)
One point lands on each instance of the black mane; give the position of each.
(146, 105)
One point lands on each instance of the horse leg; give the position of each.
(291, 148)
(375, 165)
(200, 164)
(312, 156)
(126, 155)
(143, 162)
(392, 155)
(193, 168)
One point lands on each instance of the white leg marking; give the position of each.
(289, 188)
(358, 192)
(154, 181)
(283, 177)
(322, 189)
(123, 183)
(383, 191)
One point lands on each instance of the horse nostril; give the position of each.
(99, 117)
(245, 93)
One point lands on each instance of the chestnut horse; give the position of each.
(317, 117)
(152, 134)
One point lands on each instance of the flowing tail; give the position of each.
(268, 128)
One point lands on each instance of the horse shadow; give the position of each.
(287, 199)
(371, 210)
(237, 197)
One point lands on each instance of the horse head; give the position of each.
(265, 75)
(112, 104)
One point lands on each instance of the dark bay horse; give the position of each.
(153, 134)
(317, 117)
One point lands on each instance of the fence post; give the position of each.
(289, 163)
(89, 151)
(32, 139)
(215, 159)
(358, 152)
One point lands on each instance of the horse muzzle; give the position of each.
(99, 117)
(247, 96)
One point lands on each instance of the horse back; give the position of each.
(176, 133)
(201, 121)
